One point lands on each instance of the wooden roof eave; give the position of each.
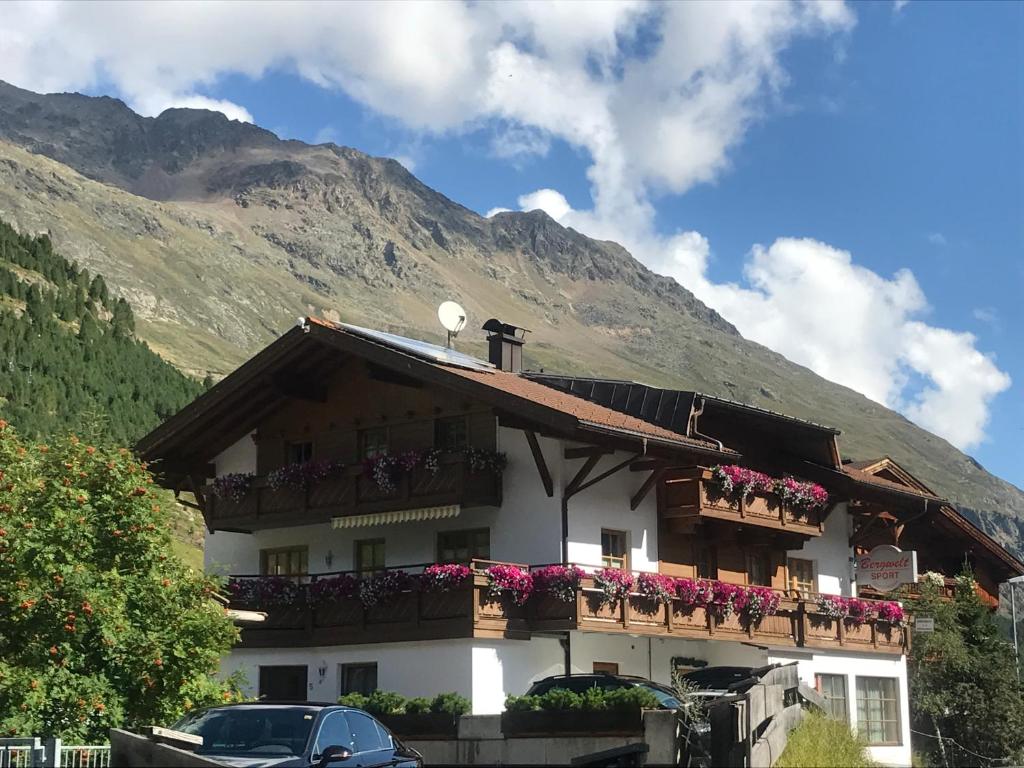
(154, 445)
(964, 526)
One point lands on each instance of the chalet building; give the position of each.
(340, 463)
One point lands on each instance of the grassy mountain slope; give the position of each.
(219, 234)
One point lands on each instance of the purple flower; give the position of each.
(233, 487)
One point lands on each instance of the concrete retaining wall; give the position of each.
(481, 742)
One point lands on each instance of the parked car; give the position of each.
(578, 683)
(719, 681)
(293, 735)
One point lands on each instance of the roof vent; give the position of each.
(505, 345)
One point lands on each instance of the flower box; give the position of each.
(610, 722)
(451, 604)
(428, 725)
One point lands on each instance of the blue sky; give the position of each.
(849, 143)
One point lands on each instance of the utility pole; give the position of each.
(1013, 617)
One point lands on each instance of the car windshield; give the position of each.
(259, 730)
(666, 696)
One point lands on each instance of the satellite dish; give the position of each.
(452, 317)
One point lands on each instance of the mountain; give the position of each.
(219, 234)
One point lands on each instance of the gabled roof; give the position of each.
(885, 472)
(700, 415)
(236, 404)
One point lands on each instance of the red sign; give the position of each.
(886, 567)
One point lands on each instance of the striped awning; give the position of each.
(398, 516)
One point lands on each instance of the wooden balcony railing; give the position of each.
(692, 492)
(412, 614)
(349, 491)
(471, 611)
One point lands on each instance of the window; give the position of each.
(451, 433)
(707, 562)
(463, 546)
(369, 556)
(365, 732)
(334, 732)
(285, 561)
(613, 549)
(759, 570)
(283, 683)
(299, 453)
(833, 689)
(801, 575)
(359, 678)
(606, 667)
(373, 442)
(878, 710)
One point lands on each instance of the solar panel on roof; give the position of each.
(421, 349)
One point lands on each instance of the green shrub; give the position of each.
(418, 705)
(631, 699)
(560, 700)
(385, 703)
(594, 699)
(449, 703)
(522, 703)
(823, 742)
(355, 700)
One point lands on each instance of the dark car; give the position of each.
(667, 697)
(718, 681)
(291, 735)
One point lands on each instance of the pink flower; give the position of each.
(891, 613)
(561, 581)
(693, 593)
(441, 578)
(509, 578)
(615, 583)
(656, 587)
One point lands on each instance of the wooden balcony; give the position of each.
(469, 611)
(643, 616)
(818, 631)
(415, 614)
(350, 492)
(692, 493)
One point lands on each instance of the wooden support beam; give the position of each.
(586, 451)
(585, 470)
(861, 533)
(542, 466)
(647, 465)
(603, 475)
(650, 482)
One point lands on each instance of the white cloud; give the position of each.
(937, 238)
(989, 316)
(496, 211)
(656, 95)
(407, 161)
(552, 202)
(327, 134)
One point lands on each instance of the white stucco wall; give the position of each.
(853, 666)
(831, 554)
(526, 529)
(503, 667)
(606, 505)
(239, 457)
(484, 671)
(651, 657)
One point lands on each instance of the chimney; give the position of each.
(505, 345)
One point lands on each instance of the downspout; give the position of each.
(695, 413)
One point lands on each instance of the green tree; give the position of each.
(964, 691)
(100, 624)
